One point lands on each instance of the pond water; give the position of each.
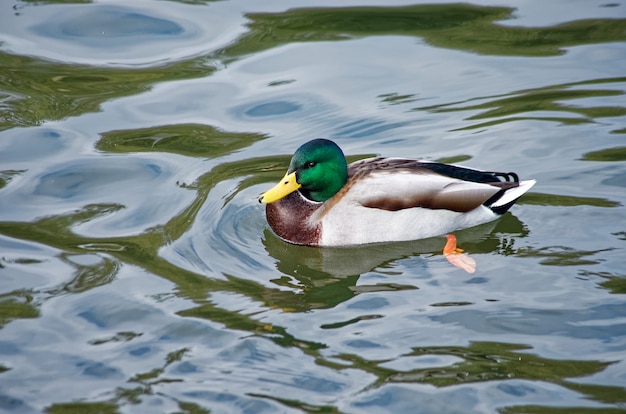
(138, 273)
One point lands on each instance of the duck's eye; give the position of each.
(311, 164)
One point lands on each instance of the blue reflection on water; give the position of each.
(273, 108)
(143, 350)
(99, 370)
(515, 389)
(10, 403)
(571, 323)
(185, 367)
(245, 405)
(362, 343)
(84, 177)
(28, 144)
(371, 303)
(98, 26)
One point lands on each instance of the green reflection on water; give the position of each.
(609, 154)
(7, 175)
(91, 1)
(454, 26)
(34, 90)
(549, 99)
(17, 305)
(534, 409)
(83, 407)
(615, 283)
(562, 256)
(185, 139)
(152, 377)
(38, 2)
(456, 159)
(87, 277)
(306, 408)
(489, 361)
(189, 407)
(543, 199)
(119, 337)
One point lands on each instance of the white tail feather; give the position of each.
(514, 193)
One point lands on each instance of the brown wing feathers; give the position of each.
(457, 196)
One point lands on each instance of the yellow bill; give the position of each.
(284, 187)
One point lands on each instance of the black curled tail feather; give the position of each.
(510, 192)
(507, 177)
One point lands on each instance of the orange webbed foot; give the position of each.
(456, 256)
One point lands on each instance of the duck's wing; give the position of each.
(395, 184)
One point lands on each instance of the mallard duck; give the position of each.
(323, 201)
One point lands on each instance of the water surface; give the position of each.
(137, 271)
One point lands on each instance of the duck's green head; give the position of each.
(318, 169)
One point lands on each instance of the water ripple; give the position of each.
(137, 34)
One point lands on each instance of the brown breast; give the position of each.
(289, 216)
